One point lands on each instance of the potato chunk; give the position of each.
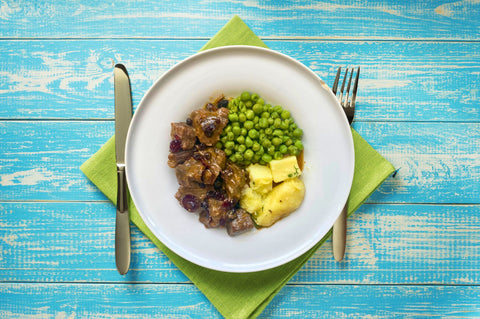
(251, 201)
(284, 199)
(260, 178)
(284, 168)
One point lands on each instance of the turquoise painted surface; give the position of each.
(413, 248)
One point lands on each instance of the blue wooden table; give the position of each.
(413, 247)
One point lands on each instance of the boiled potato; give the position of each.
(251, 201)
(281, 201)
(260, 178)
(284, 168)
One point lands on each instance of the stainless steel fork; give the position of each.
(339, 236)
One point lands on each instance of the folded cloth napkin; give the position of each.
(241, 295)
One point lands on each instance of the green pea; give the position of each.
(288, 142)
(277, 123)
(218, 144)
(256, 147)
(256, 119)
(266, 158)
(278, 155)
(224, 139)
(276, 141)
(298, 144)
(233, 158)
(271, 150)
(245, 96)
(256, 158)
(266, 143)
(228, 152)
(293, 150)
(285, 114)
(243, 131)
(248, 155)
(227, 129)
(261, 101)
(238, 156)
(278, 109)
(278, 133)
(248, 142)
(229, 145)
(292, 126)
(283, 149)
(257, 127)
(269, 131)
(265, 114)
(254, 97)
(236, 130)
(263, 122)
(274, 115)
(248, 125)
(241, 148)
(261, 150)
(233, 117)
(248, 104)
(241, 139)
(253, 134)
(284, 125)
(257, 108)
(297, 132)
(270, 121)
(250, 114)
(268, 108)
(230, 136)
(242, 117)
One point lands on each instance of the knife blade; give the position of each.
(123, 116)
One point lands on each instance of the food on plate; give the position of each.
(284, 199)
(258, 132)
(284, 168)
(236, 163)
(260, 178)
(268, 206)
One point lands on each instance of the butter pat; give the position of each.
(284, 168)
(260, 178)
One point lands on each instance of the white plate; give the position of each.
(279, 79)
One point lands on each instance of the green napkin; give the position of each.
(241, 295)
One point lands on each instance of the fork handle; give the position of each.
(339, 236)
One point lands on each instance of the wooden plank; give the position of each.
(387, 19)
(437, 162)
(400, 81)
(387, 244)
(300, 301)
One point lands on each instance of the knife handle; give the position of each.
(339, 235)
(122, 225)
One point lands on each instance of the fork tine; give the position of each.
(335, 83)
(348, 86)
(343, 87)
(355, 86)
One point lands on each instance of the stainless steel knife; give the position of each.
(123, 115)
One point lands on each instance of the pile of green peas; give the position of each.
(258, 132)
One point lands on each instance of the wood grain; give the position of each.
(174, 301)
(387, 244)
(73, 79)
(386, 19)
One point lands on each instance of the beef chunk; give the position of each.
(214, 160)
(209, 123)
(184, 133)
(189, 174)
(238, 222)
(198, 190)
(234, 180)
(215, 214)
(180, 157)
